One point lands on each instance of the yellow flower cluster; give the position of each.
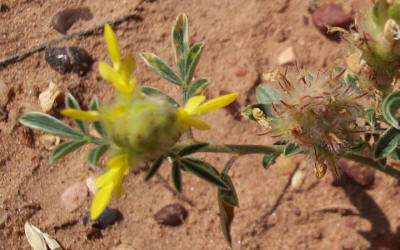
(119, 75)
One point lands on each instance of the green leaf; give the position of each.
(228, 196)
(160, 67)
(269, 159)
(176, 176)
(387, 143)
(193, 148)
(95, 154)
(196, 87)
(180, 42)
(94, 105)
(395, 154)
(150, 91)
(371, 116)
(265, 108)
(71, 102)
(154, 168)
(389, 108)
(192, 59)
(203, 163)
(291, 149)
(198, 168)
(357, 148)
(226, 214)
(266, 94)
(49, 124)
(65, 148)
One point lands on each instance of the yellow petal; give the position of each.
(110, 74)
(100, 201)
(119, 161)
(186, 120)
(129, 66)
(193, 103)
(108, 177)
(91, 116)
(118, 190)
(217, 103)
(113, 47)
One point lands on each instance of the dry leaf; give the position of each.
(35, 239)
(51, 243)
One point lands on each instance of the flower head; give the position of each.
(187, 116)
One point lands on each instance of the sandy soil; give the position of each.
(239, 34)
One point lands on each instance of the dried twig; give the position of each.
(180, 196)
(338, 208)
(85, 32)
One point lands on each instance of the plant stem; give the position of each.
(261, 149)
(370, 162)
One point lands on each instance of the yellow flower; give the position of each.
(186, 116)
(119, 74)
(109, 182)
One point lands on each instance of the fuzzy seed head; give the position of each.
(315, 111)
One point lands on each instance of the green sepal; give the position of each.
(154, 168)
(65, 148)
(193, 148)
(71, 102)
(196, 87)
(150, 91)
(94, 105)
(180, 42)
(160, 67)
(389, 108)
(176, 176)
(49, 124)
(265, 108)
(394, 12)
(291, 149)
(95, 154)
(379, 12)
(226, 215)
(192, 59)
(387, 143)
(266, 94)
(202, 170)
(269, 159)
(371, 116)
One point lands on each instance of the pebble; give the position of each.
(49, 141)
(25, 136)
(90, 184)
(332, 15)
(297, 180)
(48, 98)
(296, 211)
(74, 196)
(357, 172)
(63, 20)
(287, 56)
(5, 93)
(350, 222)
(107, 218)
(171, 215)
(240, 70)
(69, 59)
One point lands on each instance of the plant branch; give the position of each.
(370, 162)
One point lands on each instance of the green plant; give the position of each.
(312, 114)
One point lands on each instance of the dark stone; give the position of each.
(107, 218)
(69, 59)
(331, 15)
(171, 215)
(63, 20)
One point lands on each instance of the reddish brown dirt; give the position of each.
(239, 34)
